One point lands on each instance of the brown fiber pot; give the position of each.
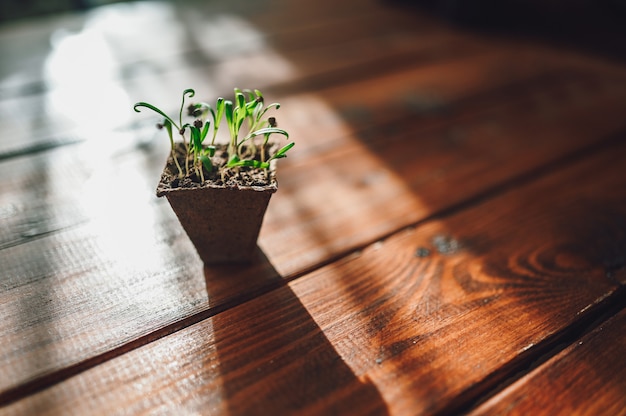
(222, 223)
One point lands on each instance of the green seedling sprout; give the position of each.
(244, 118)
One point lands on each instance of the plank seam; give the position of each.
(19, 392)
(496, 190)
(35, 385)
(541, 353)
(317, 82)
(39, 147)
(40, 383)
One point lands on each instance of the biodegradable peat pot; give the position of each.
(223, 222)
(220, 192)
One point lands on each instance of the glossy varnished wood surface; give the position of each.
(587, 377)
(453, 212)
(419, 323)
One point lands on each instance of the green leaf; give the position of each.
(217, 117)
(275, 105)
(282, 151)
(206, 162)
(167, 123)
(228, 111)
(251, 104)
(210, 150)
(219, 108)
(240, 99)
(268, 130)
(205, 131)
(208, 106)
(195, 137)
(233, 161)
(241, 116)
(253, 164)
(256, 113)
(155, 109)
(249, 95)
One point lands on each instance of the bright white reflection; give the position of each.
(138, 47)
(81, 73)
(139, 31)
(119, 217)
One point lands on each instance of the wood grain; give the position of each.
(424, 165)
(587, 378)
(67, 267)
(286, 54)
(429, 318)
(399, 120)
(480, 118)
(230, 48)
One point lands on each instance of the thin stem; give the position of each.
(187, 152)
(191, 93)
(180, 170)
(200, 172)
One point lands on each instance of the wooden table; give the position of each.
(449, 234)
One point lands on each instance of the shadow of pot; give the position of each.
(223, 223)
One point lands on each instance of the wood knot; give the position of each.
(444, 244)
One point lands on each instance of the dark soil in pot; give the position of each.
(221, 216)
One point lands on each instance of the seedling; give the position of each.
(246, 122)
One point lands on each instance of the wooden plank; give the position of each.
(51, 118)
(417, 324)
(121, 69)
(416, 162)
(77, 266)
(317, 128)
(27, 43)
(587, 378)
(328, 50)
(429, 100)
(63, 246)
(210, 36)
(43, 111)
